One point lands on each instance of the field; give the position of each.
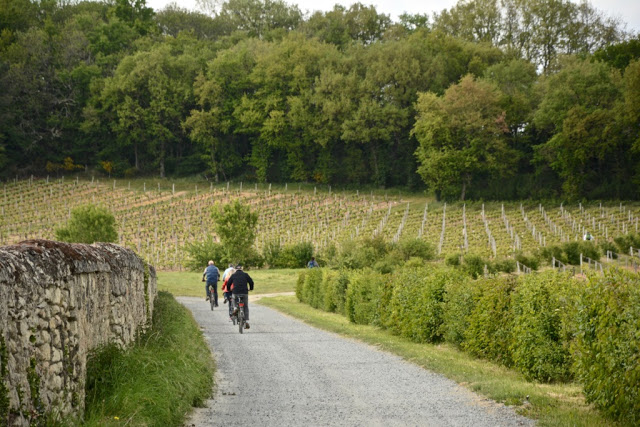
(158, 218)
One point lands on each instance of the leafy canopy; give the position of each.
(89, 224)
(236, 225)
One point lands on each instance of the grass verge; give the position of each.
(550, 404)
(157, 380)
(189, 284)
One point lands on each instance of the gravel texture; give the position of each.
(282, 372)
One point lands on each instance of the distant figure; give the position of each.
(587, 236)
(312, 263)
(211, 275)
(225, 276)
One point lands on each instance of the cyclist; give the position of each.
(225, 276)
(225, 288)
(313, 263)
(240, 284)
(211, 276)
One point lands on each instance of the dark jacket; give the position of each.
(238, 282)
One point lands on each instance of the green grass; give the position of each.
(190, 284)
(550, 404)
(157, 380)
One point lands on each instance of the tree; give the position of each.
(89, 224)
(235, 224)
(585, 145)
(461, 136)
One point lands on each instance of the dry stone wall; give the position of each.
(58, 301)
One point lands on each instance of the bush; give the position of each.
(199, 254)
(302, 276)
(606, 350)
(530, 261)
(362, 253)
(416, 304)
(89, 224)
(410, 248)
(505, 266)
(538, 347)
(271, 253)
(489, 331)
(474, 265)
(453, 260)
(627, 241)
(389, 263)
(295, 256)
(311, 289)
(460, 297)
(609, 246)
(337, 288)
(363, 295)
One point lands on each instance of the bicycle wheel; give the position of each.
(211, 299)
(241, 319)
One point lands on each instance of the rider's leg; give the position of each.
(206, 289)
(215, 293)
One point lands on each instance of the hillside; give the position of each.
(157, 220)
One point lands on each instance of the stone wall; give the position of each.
(57, 302)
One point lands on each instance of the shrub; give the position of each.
(337, 288)
(311, 289)
(606, 350)
(89, 224)
(271, 253)
(295, 256)
(358, 254)
(538, 346)
(530, 261)
(489, 332)
(460, 297)
(417, 303)
(453, 260)
(300, 285)
(609, 246)
(363, 295)
(200, 252)
(506, 265)
(329, 302)
(410, 248)
(626, 241)
(474, 265)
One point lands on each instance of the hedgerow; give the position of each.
(549, 326)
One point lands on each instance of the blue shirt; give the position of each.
(212, 274)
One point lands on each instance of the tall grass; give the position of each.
(157, 380)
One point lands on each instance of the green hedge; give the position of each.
(415, 309)
(606, 350)
(363, 296)
(488, 334)
(549, 326)
(541, 328)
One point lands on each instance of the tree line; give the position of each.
(489, 99)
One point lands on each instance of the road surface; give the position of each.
(282, 372)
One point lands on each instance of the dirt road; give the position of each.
(282, 372)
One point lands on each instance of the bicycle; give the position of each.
(238, 318)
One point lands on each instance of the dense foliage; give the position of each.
(256, 90)
(89, 224)
(549, 326)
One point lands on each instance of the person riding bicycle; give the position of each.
(225, 276)
(211, 275)
(240, 284)
(225, 288)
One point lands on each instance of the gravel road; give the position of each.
(282, 372)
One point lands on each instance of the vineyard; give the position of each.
(157, 220)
